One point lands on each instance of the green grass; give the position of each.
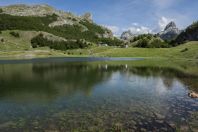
(173, 53)
(12, 43)
(20, 47)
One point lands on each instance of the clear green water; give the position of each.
(96, 96)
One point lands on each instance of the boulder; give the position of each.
(193, 94)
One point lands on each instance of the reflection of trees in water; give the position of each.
(48, 81)
(168, 75)
(69, 78)
(168, 82)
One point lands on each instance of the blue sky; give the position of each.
(140, 16)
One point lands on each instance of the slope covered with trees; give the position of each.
(41, 41)
(189, 34)
(33, 23)
(149, 41)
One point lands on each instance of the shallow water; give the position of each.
(95, 96)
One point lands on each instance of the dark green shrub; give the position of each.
(2, 40)
(41, 41)
(143, 43)
(111, 42)
(15, 34)
(150, 41)
(157, 43)
(184, 50)
(1, 10)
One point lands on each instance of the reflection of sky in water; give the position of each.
(128, 92)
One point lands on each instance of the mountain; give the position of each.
(127, 35)
(45, 10)
(189, 34)
(170, 32)
(58, 23)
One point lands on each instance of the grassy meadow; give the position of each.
(13, 47)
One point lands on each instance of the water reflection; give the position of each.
(85, 96)
(51, 80)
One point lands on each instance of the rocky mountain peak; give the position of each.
(170, 25)
(170, 32)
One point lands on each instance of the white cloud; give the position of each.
(135, 24)
(164, 3)
(135, 28)
(163, 21)
(116, 30)
(139, 29)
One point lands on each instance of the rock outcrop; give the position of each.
(26, 10)
(127, 35)
(87, 16)
(43, 10)
(170, 32)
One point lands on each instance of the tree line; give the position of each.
(42, 41)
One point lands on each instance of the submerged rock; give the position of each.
(193, 94)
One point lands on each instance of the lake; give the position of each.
(97, 94)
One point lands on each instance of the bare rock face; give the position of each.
(87, 16)
(170, 32)
(42, 10)
(26, 10)
(127, 35)
(170, 26)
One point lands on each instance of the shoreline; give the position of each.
(21, 58)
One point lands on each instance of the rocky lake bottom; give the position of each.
(96, 96)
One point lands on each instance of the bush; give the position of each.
(15, 34)
(41, 41)
(150, 41)
(1, 10)
(157, 43)
(2, 40)
(143, 43)
(111, 42)
(184, 50)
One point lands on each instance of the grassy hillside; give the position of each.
(93, 32)
(13, 43)
(188, 50)
(13, 46)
